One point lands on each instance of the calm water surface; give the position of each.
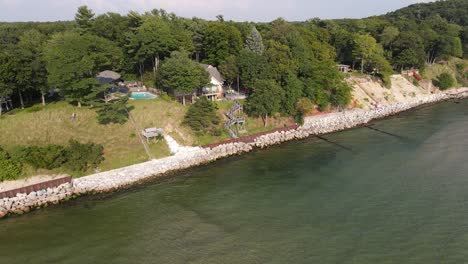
(400, 196)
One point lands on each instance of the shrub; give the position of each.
(165, 97)
(76, 157)
(34, 108)
(82, 157)
(202, 117)
(10, 169)
(387, 81)
(444, 81)
(303, 106)
(47, 157)
(114, 112)
(460, 67)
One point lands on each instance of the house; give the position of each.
(343, 68)
(215, 90)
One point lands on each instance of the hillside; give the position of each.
(454, 11)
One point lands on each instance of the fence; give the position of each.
(35, 187)
(250, 138)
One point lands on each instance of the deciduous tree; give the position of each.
(73, 62)
(180, 75)
(265, 99)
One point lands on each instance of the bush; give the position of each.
(165, 97)
(82, 157)
(202, 117)
(10, 169)
(48, 157)
(445, 81)
(387, 81)
(76, 157)
(34, 108)
(460, 67)
(303, 106)
(114, 112)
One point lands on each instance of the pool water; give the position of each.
(142, 95)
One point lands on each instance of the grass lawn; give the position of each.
(52, 124)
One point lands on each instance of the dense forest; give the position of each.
(279, 63)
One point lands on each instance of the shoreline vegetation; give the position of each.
(187, 157)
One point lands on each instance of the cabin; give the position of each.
(186, 99)
(215, 89)
(344, 68)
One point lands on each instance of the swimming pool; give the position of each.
(142, 95)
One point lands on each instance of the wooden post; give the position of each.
(21, 99)
(43, 98)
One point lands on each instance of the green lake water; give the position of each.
(396, 195)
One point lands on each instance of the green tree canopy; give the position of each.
(73, 62)
(365, 47)
(254, 42)
(181, 75)
(265, 99)
(202, 117)
(293, 88)
(252, 67)
(221, 40)
(84, 18)
(230, 69)
(152, 41)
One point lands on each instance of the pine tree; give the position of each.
(254, 42)
(84, 18)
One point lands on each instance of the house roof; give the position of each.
(213, 71)
(108, 76)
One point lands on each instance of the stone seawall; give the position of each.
(188, 157)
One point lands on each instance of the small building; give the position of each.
(215, 90)
(344, 68)
(186, 99)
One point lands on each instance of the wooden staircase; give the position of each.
(233, 119)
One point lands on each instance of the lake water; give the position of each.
(398, 194)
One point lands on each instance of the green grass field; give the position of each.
(52, 124)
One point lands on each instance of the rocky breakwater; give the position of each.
(327, 123)
(23, 203)
(183, 159)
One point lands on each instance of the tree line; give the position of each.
(279, 63)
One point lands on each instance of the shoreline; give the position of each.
(187, 157)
